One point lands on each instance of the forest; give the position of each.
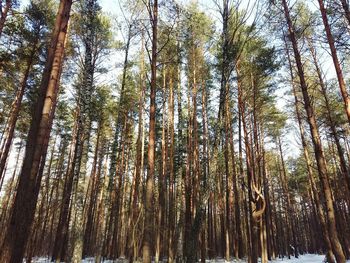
(174, 130)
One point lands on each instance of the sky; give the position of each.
(112, 7)
(292, 139)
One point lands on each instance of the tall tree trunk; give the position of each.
(253, 257)
(9, 193)
(188, 185)
(206, 157)
(139, 157)
(172, 211)
(314, 191)
(241, 169)
(341, 155)
(4, 12)
(58, 252)
(224, 124)
(162, 177)
(321, 164)
(122, 111)
(290, 207)
(147, 239)
(15, 108)
(238, 242)
(228, 179)
(336, 62)
(22, 217)
(94, 183)
(345, 5)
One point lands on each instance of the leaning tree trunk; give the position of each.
(321, 163)
(16, 105)
(22, 217)
(336, 62)
(343, 166)
(4, 13)
(314, 191)
(345, 5)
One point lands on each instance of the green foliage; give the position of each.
(24, 33)
(298, 180)
(100, 25)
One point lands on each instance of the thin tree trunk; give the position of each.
(4, 13)
(58, 252)
(172, 219)
(346, 8)
(314, 191)
(15, 108)
(139, 157)
(341, 155)
(252, 256)
(188, 186)
(93, 193)
(206, 167)
(336, 62)
(148, 231)
(9, 193)
(290, 207)
(162, 179)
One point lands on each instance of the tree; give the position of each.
(94, 37)
(341, 81)
(321, 165)
(5, 8)
(38, 18)
(18, 231)
(248, 143)
(147, 239)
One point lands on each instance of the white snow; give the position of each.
(307, 258)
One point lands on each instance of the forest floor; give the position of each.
(307, 258)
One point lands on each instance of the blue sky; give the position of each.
(112, 7)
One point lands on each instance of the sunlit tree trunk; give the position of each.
(345, 5)
(135, 213)
(15, 108)
(12, 185)
(316, 140)
(314, 192)
(172, 210)
(206, 160)
(336, 62)
(290, 208)
(4, 12)
(22, 217)
(148, 231)
(341, 155)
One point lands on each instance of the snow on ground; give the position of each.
(307, 258)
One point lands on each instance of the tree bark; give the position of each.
(321, 164)
(341, 155)
(336, 62)
(314, 192)
(147, 239)
(4, 13)
(22, 217)
(16, 106)
(346, 8)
